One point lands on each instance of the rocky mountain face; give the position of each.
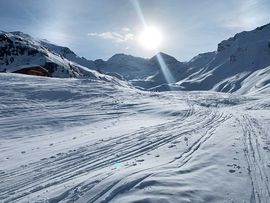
(240, 64)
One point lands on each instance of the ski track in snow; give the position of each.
(255, 159)
(67, 140)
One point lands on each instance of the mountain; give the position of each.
(237, 61)
(18, 50)
(129, 67)
(236, 65)
(240, 64)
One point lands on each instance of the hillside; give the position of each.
(240, 64)
(80, 140)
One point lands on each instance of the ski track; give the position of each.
(134, 147)
(88, 173)
(259, 174)
(95, 157)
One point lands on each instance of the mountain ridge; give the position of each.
(226, 69)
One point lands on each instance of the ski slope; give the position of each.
(86, 140)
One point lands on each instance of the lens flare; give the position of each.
(165, 70)
(150, 38)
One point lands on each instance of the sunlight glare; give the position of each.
(150, 38)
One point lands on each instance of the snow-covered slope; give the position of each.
(236, 60)
(225, 70)
(240, 64)
(258, 81)
(81, 140)
(129, 67)
(18, 50)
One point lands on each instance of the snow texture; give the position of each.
(88, 135)
(83, 140)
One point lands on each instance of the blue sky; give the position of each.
(100, 28)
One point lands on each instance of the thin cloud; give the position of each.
(125, 29)
(243, 23)
(119, 37)
(248, 15)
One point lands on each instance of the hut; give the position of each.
(33, 70)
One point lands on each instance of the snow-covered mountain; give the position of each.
(238, 61)
(18, 50)
(240, 64)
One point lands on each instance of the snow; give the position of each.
(91, 133)
(236, 59)
(241, 55)
(18, 50)
(92, 140)
(236, 65)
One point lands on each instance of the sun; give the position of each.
(151, 38)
